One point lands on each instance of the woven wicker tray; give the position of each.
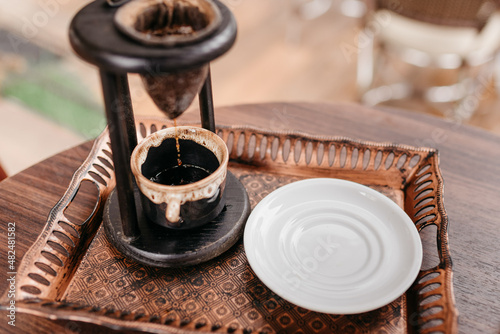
(73, 273)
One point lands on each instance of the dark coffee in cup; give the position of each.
(181, 187)
(180, 174)
(162, 163)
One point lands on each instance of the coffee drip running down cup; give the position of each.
(185, 196)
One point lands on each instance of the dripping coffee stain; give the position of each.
(177, 146)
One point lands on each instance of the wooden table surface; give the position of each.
(469, 161)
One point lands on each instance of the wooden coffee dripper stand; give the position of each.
(95, 38)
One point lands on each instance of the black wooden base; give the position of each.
(162, 247)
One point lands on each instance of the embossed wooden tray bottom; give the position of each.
(72, 271)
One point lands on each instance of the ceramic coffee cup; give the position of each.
(187, 195)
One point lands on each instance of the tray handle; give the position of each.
(433, 288)
(49, 264)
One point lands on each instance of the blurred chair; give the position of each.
(311, 9)
(353, 8)
(460, 35)
(302, 11)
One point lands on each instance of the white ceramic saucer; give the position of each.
(333, 246)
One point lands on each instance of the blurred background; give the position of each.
(287, 50)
